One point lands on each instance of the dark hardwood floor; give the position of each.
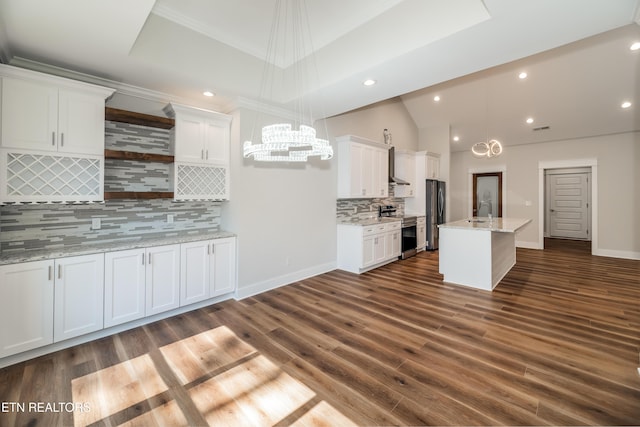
(557, 342)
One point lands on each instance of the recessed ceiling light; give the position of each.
(369, 82)
(522, 75)
(436, 98)
(456, 138)
(626, 104)
(635, 46)
(208, 93)
(530, 120)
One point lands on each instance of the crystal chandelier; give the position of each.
(281, 142)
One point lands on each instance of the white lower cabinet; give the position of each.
(26, 306)
(207, 269)
(44, 302)
(49, 301)
(124, 286)
(421, 238)
(162, 280)
(141, 282)
(361, 248)
(79, 293)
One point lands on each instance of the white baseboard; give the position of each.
(616, 254)
(286, 279)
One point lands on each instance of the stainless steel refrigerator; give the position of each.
(436, 211)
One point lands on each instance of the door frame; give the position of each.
(571, 163)
(474, 191)
(487, 169)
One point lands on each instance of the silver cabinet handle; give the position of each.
(142, 259)
(59, 271)
(49, 273)
(53, 138)
(207, 156)
(62, 139)
(149, 262)
(202, 154)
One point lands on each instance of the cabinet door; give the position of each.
(80, 123)
(396, 244)
(216, 142)
(422, 236)
(26, 306)
(368, 251)
(162, 279)
(355, 172)
(224, 268)
(189, 139)
(79, 291)
(195, 260)
(124, 288)
(29, 115)
(367, 172)
(379, 248)
(433, 167)
(380, 172)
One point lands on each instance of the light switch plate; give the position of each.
(95, 223)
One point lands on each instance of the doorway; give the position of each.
(568, 203)
(487, 194)
(592, 165)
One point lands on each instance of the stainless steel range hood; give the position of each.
(392, 168)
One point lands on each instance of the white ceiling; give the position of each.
(467, 51)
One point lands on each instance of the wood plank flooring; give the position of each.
(556, 343)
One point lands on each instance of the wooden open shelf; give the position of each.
(123, 116)
(132, 155)
(141, 195)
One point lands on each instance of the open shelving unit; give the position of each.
(123, 116)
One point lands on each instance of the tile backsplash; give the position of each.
(44, 226)
(365, 208)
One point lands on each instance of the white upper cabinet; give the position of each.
(200, 136)
(46, 113)
(363, 168)
(432, 167)
(405, 169)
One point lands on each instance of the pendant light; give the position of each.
(282, 142)
(489, 147)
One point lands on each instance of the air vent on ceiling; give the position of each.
(541, 128)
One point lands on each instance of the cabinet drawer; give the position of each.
(373, 229)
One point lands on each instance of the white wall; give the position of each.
(369, 122)
(284, 215)
(618, 187)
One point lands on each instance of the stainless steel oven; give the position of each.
(409, 236)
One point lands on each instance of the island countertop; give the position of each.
(503, 225)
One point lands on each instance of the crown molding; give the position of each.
(119, 87)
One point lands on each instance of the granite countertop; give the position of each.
(367, 221)
(504, 225)
(13, 257)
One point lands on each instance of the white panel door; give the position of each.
(26, 306)
(195, 260)
(569, 206)
(189, 137)
(216, 142)
(124, 288)
(79, 293)
(162, 279)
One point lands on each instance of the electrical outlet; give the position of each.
(170, 218)
(95, 223)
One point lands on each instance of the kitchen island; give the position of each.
(478, 252)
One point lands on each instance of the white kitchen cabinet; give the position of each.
(141, 282)
(363, 247)
(201, 141)
(432, 165)
(162, 279)
(405, 169)
(47, 113)
(363, 168)
(124, 287)
(26, 306)
(207, 269)
(79, 293)
(200, 136)
(421, 230)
